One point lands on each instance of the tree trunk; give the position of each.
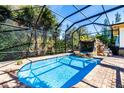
(35, 42)
(43, 46)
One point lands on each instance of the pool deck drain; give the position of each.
(108, 74)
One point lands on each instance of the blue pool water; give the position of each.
(59, 72)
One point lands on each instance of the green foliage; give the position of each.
(103, 39)
(60, 46)
(117, 17)
(26, 16)
(85, 38)
(84, 35)
(48, 20)
(5, 13)
(105, 35)
(74, 38)
(105, 30)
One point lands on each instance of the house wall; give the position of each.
(121, 51)
(121, 47)
(121, 37)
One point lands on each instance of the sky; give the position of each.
(65, 10)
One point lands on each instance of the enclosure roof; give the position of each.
(90, 16)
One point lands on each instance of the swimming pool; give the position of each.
(57, 72)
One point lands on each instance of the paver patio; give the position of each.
(108, 74)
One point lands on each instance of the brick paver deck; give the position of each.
(108, 74)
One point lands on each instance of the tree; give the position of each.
(117, 17)
(72, 37)
(26, 16)
(5, 13)
(75, 38)
(105, 31)
(84, 36)
(48, 23)
(105, 36)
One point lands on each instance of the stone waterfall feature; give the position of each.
(100, 49)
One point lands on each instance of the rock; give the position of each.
(101, 49)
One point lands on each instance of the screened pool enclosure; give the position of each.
(51, 29)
